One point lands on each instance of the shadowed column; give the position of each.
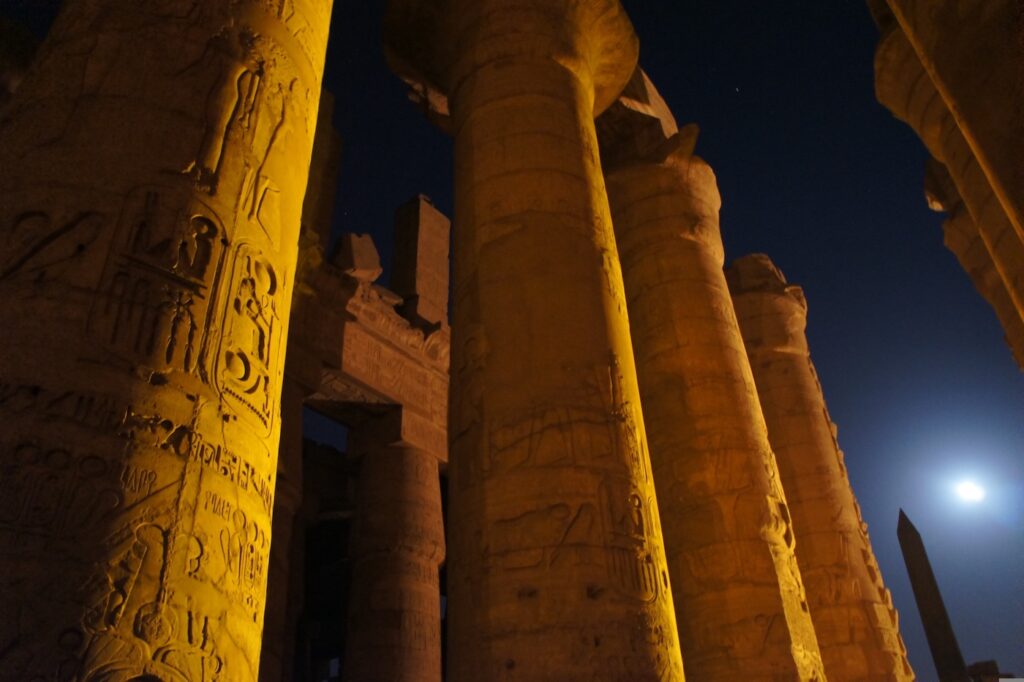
(556, 569)
(961, 236)
(903, 86)
(394, 633)
(857, 626)
(740, 602)
(152, 171)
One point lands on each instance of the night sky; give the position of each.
(815, 173)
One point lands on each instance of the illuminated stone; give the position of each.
(961, 236)
(857, 626)
(556, 568)
(740, 602)
(152, 170)
(903, 84)
(970, 51)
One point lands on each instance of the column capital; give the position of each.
(434, 45)
(681, 185)
(773, 312)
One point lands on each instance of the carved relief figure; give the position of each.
(153, 307)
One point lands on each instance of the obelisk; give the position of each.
(949, 662)
(556, 569)
(152, 172)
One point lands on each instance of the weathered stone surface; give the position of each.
(961, 236)
(357, 257)
(370, 357)
(556, 569)
(420, 274)
(397, 547)
(903, 86)
(152, 170)
(971, 51)
(280, 618)
(856, 624)
(17, 46)
(740, 602)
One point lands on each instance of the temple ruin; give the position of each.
(614, 459)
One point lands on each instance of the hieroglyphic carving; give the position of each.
(248, 359)
(246, 546)
(41, 245)
(235, 468)
(94, 410)
(154, 304)
(55, 493)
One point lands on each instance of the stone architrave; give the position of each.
(397, 548)
(738, 593)
(853, 614)
(152, 171)
(556, 568)
(903, 86)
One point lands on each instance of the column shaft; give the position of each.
(961, 236)
(857, 626)
(152, 169)
(556, 567)
(905, 88)
(739, 599)
(394, 632)
(276, 659)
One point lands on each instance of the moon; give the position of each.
(969, 491)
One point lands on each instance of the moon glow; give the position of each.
(969, 491)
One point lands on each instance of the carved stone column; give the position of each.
(739, 599)
(961, 236)
(857, 626)
(152, 169)
(394, 633)
(276, 660)
(556, 569)
(903, 86)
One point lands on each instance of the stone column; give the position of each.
(556, 568)
(278, 629)
(961, 236)
(904, 87)
(152, 169)
(740, 602)
(394, 632)
(857, 626)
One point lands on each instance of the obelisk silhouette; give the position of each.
(949, 662)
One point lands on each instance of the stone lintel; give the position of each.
(396, 425)
(365, 356)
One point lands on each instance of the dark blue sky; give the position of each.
(815, 173)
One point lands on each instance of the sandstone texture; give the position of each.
(152, 171)
(856, 624)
